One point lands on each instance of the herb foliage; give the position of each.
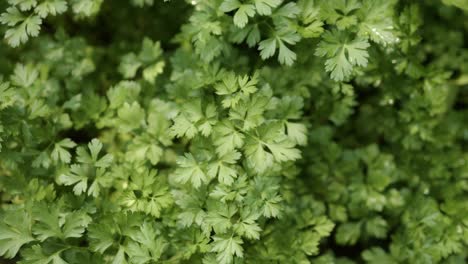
(234, 131)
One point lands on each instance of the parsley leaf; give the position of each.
(342, 53)
(190, 170)
(15, 231)
(227, 247)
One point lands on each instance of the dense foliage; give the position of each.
(234, 131)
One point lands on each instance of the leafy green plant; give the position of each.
(234, 131)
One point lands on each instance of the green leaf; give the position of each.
(151, 72)
(341, 13)
(8, 95)
(241, 17)
(53, 222)
(38, 109)
(289, 10)
(11, 17)
(120, 256)
(285, 56)
(310, 243)
(267, 48)
(183, 127)
(249, 111)
(24, 76)
(19, 34)
(80, 174)
(51, 7)
(226, 248)
(86, 8)
(150, 50)
(297, 133)
(342, 54)
(48, 222)
(220, 217)
(270, 145)
(15, 231)
(193, 120)
(141, 3)
(129, 65)
(146, 246)
(227, 138)
(247, 226)
(147, 193)
(131, 116)
(60, 152)
(223, 169)
(229, 5)
(348, 233)
(185, 123)
(323, 226)
(101, 236)
(208, 121)
(463, 4)
(94, 147)
(264, 7)
(378, 22)
(377, 227)
(24, 5)
(376, 255)
(228, 85)
(125, 91)
(190, 170)
(310, 16)
(36, 255)
(148, 59)
(272, 207)
(75, 177)
(75, 224)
